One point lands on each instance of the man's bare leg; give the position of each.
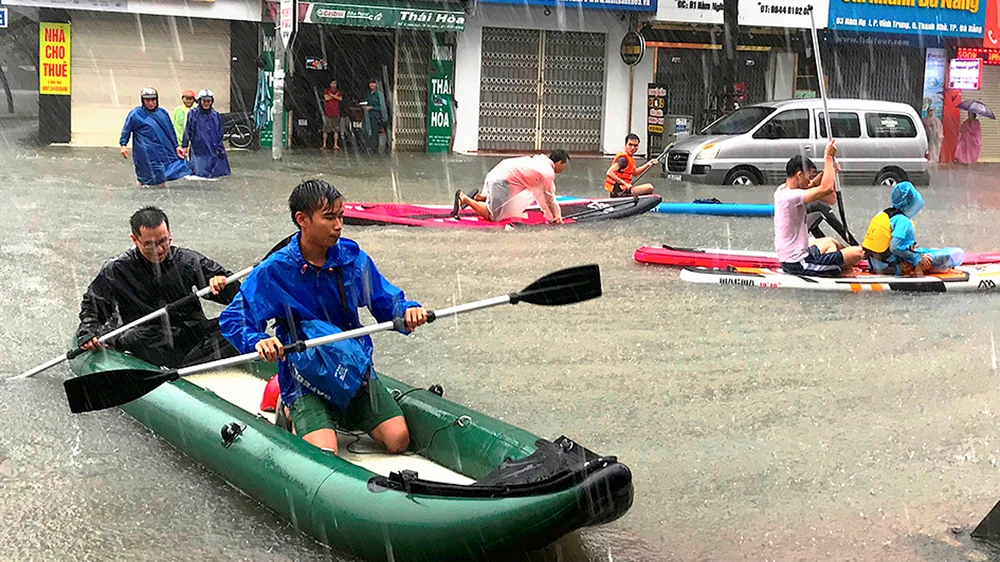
(324, 438)
(644, 189)
(478, 206)
(392, 433)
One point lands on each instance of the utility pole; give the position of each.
(288, 18)
(726, 100)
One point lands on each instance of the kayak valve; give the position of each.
(230, 433)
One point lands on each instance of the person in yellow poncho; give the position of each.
(181, 112)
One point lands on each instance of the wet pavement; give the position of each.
(759, 425)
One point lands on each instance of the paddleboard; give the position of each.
(573, 211)
(717, 257)
(975, 278)
(716, 209)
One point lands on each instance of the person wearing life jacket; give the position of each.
(890, 243)
(313, 287)
(618, 181)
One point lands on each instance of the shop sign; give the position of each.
(287, 18)
(965, 74)
(953, 18)
(989, 56)
(3, 17)
(53, 59)
(656, 105)
(991, 39)
(440, 108)
(632, 48)
(263, 108)
(359, 15)
(762, 13)
(616, 5)
(96, 5)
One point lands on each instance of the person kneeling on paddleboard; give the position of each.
(890, 243)
(824, 256)
(513, 184)
(618, 182)
(313, 287)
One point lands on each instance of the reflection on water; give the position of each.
(758, 425)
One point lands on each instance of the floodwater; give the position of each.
(759, 425)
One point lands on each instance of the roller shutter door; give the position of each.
(990, 95)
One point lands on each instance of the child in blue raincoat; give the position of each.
(313, 287)
(890, 243)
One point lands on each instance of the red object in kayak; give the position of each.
(573, 211)
(269, 402)
(719, 258)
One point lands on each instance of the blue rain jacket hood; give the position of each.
(907, 199)
(154, 146)
(203, 133)
(306, 302)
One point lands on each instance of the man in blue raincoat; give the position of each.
(202, 140)
(155, 153)
(313, 287)
(890, 243)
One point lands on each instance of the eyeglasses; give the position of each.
(161, 243)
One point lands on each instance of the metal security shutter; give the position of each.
(114, 56)
(990, 95)
(411, 91)
(862, 72)
(508, 101)
(572, 91)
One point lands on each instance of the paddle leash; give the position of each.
(98, 391)
(829, 130)
(117, 331)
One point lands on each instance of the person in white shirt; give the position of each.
(514, 183)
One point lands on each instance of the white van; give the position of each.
(878, 142)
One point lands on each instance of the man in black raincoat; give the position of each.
(148, 277)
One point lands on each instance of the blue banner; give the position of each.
(954, 18)
(618, 5)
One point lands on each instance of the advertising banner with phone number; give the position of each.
(953, 18)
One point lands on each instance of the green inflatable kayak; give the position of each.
(470, 486)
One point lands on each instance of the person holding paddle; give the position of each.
(619, 177)
(313, 287)
(152, 275)
(798, 255)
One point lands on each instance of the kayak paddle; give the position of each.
(156, 314)
(829, 130)
(97, 391)
(658, 158)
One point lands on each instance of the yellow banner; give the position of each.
(53, 59)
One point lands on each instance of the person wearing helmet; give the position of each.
(202, 139)
(156, 156)
(181, 112)
(890, 243)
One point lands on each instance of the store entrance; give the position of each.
(351, 55)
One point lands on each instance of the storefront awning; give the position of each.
(398, 15)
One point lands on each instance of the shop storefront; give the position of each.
(116, 49)
(356, 43)
(542, 76)
(989, 94)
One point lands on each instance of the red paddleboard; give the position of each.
(573, 211)
(719, 258)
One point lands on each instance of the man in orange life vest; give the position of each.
(619, 177)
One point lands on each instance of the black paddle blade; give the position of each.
(107, 389)
(566, 286)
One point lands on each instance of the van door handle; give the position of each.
(808, 148)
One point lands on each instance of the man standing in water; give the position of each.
(313, 287)
(156, 155)
(203, 134)
(513, 184)
(148, 277)
(618, 181)
(825, 256)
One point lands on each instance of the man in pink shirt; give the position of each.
(824, 257)
(514, 183)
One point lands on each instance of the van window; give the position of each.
(739, 121)
(845, 125)
(890, 125)
(792, 124)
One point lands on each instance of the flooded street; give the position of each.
(759, 425)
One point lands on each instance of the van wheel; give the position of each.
(743, 176)
(890, 177)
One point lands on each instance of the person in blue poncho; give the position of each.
(202, 140)
(890, 243)
(155, 153)
(313, 287)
